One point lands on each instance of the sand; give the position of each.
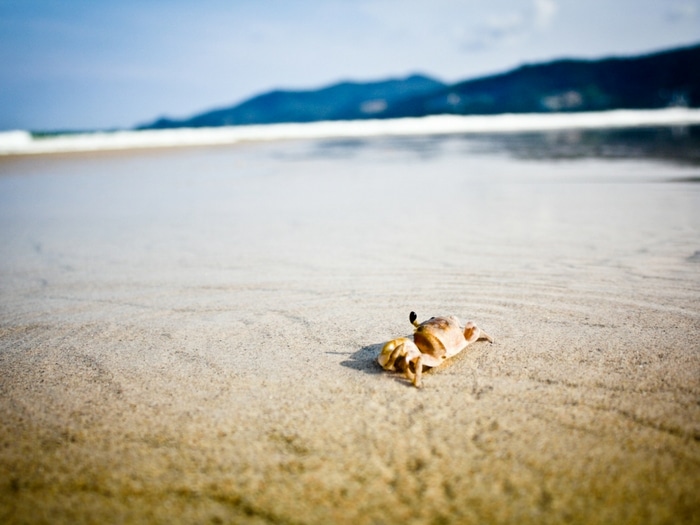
(190, 336)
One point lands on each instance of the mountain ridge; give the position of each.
(649, 81)
(347, 100)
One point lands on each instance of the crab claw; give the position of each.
(399, 354)
(473, 333)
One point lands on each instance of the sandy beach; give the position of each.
(190, 336)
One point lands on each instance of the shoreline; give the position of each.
(22, 143)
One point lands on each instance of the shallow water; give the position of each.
(354, 208)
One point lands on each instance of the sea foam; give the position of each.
(24, 143)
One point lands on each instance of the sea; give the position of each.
(21, 142)
(373, 207)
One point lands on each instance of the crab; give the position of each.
(434, 341)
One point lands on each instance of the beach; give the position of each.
(190, 335)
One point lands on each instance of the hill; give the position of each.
(663, 79)
(343, 101)
(669, 78)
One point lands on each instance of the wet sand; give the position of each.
(190, 336)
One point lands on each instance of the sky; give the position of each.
(104, 64)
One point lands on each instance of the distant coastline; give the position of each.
(26, 143)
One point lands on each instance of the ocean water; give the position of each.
(24, 143)
(405, 215)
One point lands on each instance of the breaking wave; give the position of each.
(24, 143)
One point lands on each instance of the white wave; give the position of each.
(23, 143)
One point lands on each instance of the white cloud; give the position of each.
(681, 11)
(510, 27)
(545, 10)
(504, 27)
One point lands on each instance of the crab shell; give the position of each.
(439, 338)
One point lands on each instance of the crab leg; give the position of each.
(415, 378)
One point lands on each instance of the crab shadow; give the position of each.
(365, 359)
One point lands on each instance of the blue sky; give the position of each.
(87, 64)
